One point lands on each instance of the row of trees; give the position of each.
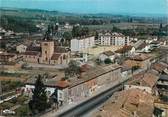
(18, 24)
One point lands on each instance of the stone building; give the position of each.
(47, 53)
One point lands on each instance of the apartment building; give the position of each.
(79, 44)
(117, 39)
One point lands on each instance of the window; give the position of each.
(45, 52)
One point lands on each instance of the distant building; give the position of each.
(107, 54)
(141, 60)
(117, 39)
(21, 48)
(126, 51)
(79, 44)
(144, 47)
(7, 58)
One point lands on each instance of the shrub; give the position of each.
(107, 61)
(23, 111)
(7, 105)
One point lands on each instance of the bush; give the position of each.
(21, 99)
(107, 61)
(7, 105)
(23, 111)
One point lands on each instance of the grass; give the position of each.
(2, 73)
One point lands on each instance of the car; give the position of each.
(7, 111)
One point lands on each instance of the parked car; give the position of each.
(8, 112)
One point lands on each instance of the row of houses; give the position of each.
(141, 95)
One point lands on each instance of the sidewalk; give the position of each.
(72, 105)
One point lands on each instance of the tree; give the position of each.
(96, 35)
(73, 69)
(75, 31)
(39, 101)
(78, 31)
(107, 61)
(67, 36)
(54, 97)
(23, 111)
(84, 31)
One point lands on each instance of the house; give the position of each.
(114, 38)
(155, 44)
(107, 54)
(144, 47)
(162, 84)
(140, 60)
(126, 51)
(160, 67)
(31, 56)
(143, 81)
(127, 103)
(7, 57)
(21, 48)
(79, 44)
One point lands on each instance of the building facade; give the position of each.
(82, 43)
(116, 39)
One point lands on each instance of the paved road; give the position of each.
(83, 108)
(34, 65)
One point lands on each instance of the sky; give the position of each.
(154, 7)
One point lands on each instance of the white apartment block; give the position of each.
(79, 44)
(117, 39)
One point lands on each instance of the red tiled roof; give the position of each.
(7, 54)
(145, 79)
(32, 53)
(140, 57)
(55, 56)
(60, 50)
(85, 68)
(124, 49)
(34, 48)
(108, 53)
(159, 67)
(62, 84)
(143, 45)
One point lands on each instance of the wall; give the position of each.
(147, 89)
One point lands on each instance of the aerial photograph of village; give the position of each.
(83, 58)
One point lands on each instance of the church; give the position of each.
(47, 53)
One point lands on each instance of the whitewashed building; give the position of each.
(21, 48)
(117, 39)
(79, 44)
(107, 54)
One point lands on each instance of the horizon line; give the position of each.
(91, 13)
